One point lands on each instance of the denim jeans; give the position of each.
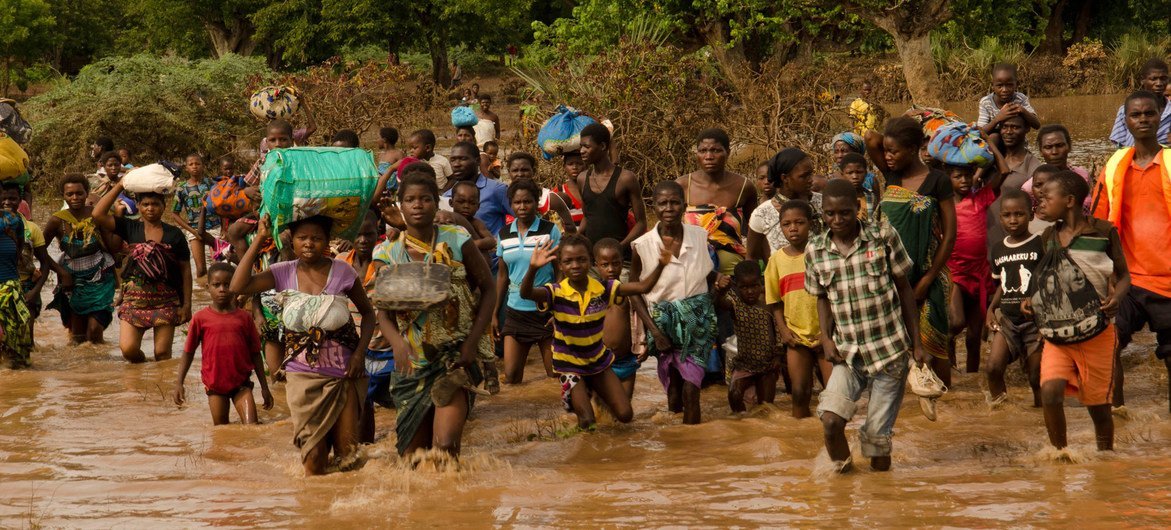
(846, 384)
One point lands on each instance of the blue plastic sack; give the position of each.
(959, 144)
(464, 116)
(561, 133)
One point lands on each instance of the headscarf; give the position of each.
(852, 140)
(783, 162)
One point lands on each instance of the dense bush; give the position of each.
(157, 107)
(365, 95)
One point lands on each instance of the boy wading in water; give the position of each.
(1093, 264)
(231, 353)
(858, 272)
(579, 305)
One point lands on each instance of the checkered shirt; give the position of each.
(868, 323)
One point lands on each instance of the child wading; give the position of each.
(680, 320)
(794, 309)
(579, 305)
(525, 325)
(1014, 336)
(189, 210)
(858, 272)
(616, 331)
(1082, 279)
(230, 353)
(757, 362)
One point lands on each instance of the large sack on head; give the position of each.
(151, 178)
(273, 102)
(561, 133)
(958, 144)
(13, 159)
(464, 116)
(302, 182)
(932, 118)
(227, 199)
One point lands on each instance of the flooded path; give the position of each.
(89, 441)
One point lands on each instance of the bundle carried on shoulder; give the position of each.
(561, 133)
(959, 144)
(226, 198)
(464, 116)
(151, 178)
(273, 102)
(301, 182)
(932, 118)
(13, 161)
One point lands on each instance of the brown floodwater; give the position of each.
(87, 440)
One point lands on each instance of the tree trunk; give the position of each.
(235, 36)
(440, 68)
(730, 60)
(919, 68)
(1081, 27)
(1055, 30)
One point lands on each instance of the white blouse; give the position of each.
(686, 275)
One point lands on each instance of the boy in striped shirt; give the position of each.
(579, 304)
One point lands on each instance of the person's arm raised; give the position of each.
(481, 278)
(243, 281)
(101, 214)
(666, 254)
(544, 254)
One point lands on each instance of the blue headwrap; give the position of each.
(853, 140)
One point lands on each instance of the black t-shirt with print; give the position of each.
(1013, 265)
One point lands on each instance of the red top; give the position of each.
(228, 342)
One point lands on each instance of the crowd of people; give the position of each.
(860, 277)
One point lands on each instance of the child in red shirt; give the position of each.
(231, 353)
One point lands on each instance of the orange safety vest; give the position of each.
(1112, 181)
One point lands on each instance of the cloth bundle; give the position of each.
(931, 118)
(958, 144)
(561, 133)
(227, 199)
(151, 178)
(273, 102)
(302, 312)
(302, 182)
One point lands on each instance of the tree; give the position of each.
(25, 36)
(910, 23)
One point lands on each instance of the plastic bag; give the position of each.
(561, 133)
(302, 182)
(12, 123)
(13, 159)
(272, 102)
(227, 199)
(958, 144)
(464, 116)
(151, 178)
(1066, 307)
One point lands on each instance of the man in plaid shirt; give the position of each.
(869, 322)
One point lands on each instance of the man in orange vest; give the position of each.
(1134, 193)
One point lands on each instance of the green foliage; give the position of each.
(25, 35)
(162, 107)
(1130, 52)
(598, 24)
(974, 22)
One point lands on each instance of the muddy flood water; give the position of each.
(87, 440)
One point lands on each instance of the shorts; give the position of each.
(527, 327)
(380, 366)
(216, 232)
(1023, 338)
(626, 367)
(1142, 307)
(1087, 367)
(247, 384)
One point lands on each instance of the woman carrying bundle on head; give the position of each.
(156, 276)
(325, 380)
